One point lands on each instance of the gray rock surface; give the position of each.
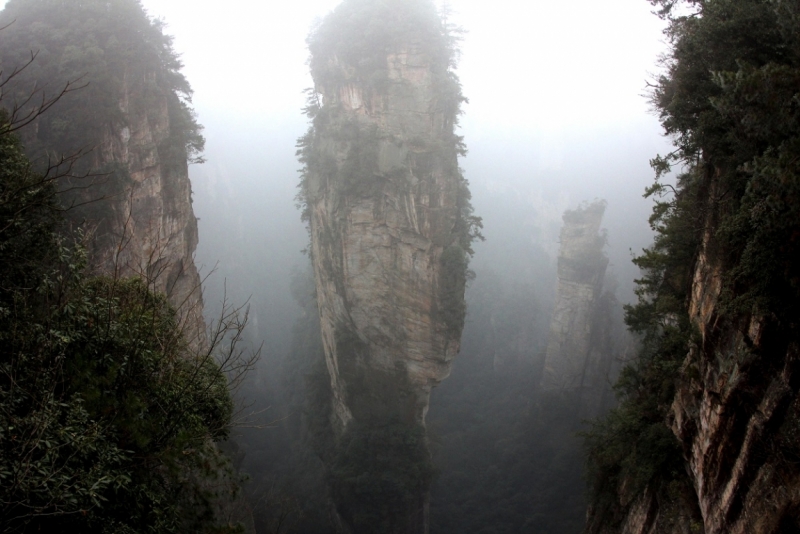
(570, 362)
(380, 220)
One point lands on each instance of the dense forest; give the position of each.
(413, 378)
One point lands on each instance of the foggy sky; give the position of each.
(556, 116)
(531, 66)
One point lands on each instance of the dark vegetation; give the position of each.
(380, 470)
(108, 414)
(728, 98)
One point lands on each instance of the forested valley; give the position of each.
(458, 283)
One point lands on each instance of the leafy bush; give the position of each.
(107, 418)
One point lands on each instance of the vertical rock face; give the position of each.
(390, 224)
(573, 360)
(736, 414)
(146, 226)
(377, 246)
(738, 417)
(384, 209)
(125, 128)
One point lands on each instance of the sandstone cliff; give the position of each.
(390, 224)
(736, 415)
(139, 217)
(125, 129)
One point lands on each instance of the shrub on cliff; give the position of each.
(106, 415)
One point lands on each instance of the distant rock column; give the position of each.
(569, 364)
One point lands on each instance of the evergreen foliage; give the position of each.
(728, 98)
(106, 415)
(451, 288)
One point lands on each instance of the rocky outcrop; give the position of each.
(139, 217)
(577, 357)
(737, 414)
(389, 220)
(119, 137)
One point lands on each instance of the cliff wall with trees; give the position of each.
(122, 137)
(705, 438)
(111, 395)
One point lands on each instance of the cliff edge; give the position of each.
(705, 438)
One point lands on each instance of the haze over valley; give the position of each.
(399, 266)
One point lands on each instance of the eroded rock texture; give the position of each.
(143, 222)
(124, 129)
(377, 245)
(390, 227)
(736, 414)
(578, 357)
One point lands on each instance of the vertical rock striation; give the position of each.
(125, 129)
(145, 224)
(574, 361)
(706, 440)
(737, 413)
(391, 226)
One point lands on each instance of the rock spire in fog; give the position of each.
(571, 362)
(391, 226)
